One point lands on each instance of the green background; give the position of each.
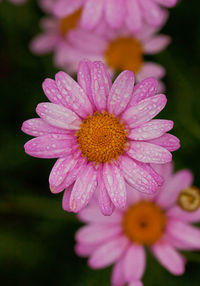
(36, 235)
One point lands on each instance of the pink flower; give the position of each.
(103, 135)
(54, 37)
(119, 49)
(156, 222)
(133, 13)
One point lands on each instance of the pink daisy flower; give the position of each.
(133, 13)
(156, 222)
(118, 49)
(103, 135)
(54, 37)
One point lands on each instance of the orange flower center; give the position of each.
(189, 199)
(70, 22)
(124, 54)
(144, 223)
(101, 137)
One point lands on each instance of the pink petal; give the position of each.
(151, 69)
(169, 258)
(91, 214)
(96, 234)
(60, 170)
(118, 278)
(105, 202)
(83, 189)
(137, 177)
(66, 199)
(153, 13)
(164, 170)
(167, 3)
(134, 16)
(156, 44)
(84, 77)
(168, 141)
(149, 153)
(108, 253)
(115, 13)
(58, 116)
(144, 111)
(144, 89)
(66, 7)
(121, 92)
(134, 262)
(178, 213)
(44, 43)
(184, 233)
(75, 96)
(84, 250)
(101, 84)
(169, 194)
(150, 130)
(135, 283)
(52, 92)
(92, 13)
(115, 185)
(38, 127)
(49, 146)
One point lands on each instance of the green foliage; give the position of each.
(36, 236)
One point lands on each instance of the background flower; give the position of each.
(147, 221)
(133, 13)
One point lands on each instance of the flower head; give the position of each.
(156, 222)
(132, 13)
(103, 135)
(119, 49)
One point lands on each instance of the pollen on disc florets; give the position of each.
(102, 137)
(144, 223)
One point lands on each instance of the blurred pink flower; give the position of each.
(133, 13)
(119, 49)
(103, 135)
(156, 222)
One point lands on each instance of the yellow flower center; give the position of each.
(70, 22)
(124, 54)
(144, 223)
(101, 137)
(189, 199)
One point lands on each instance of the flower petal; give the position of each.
(95, 234)
(144, 111)
(84, 77)
(178, 182)
(115, 185)
(184, 233)
(149, 153)
(60, 170)
(58, 116)
(169, 258)
(115, 13)
(75, 96)
(144, 89)
(151, 69)
(84, 250)
(66, 199)
(134, 16)
(83, 189)
(52, 92)
(49, 146)
(101, 84)
(92, 13)
(44, 43)
(66, 7)
(156, 44)
(150, 130)
(168, 141)
(38, 127)
(121, 92)
(137, 177)
(178, 213)
(105, 202)
(134, 262)
(118, 278)
(108, 253)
